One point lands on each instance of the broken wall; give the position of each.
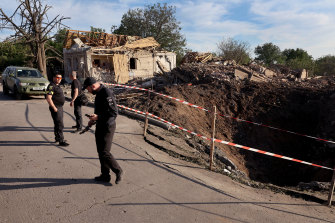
(121, 69)
(141, 64)
(119, 66)
(166, 59)
(75, 59)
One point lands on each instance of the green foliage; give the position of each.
(231, 49)
(325, 65)
(156, 21)
(269, 54)
(97, 30)
(54, 50)
(296, 54)
(298, 59)
(13, 54)
(58, 41)
(132, 24)
(32, 25)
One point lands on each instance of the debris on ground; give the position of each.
(279, 97)
(288, 100)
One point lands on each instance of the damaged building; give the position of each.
(114, 58)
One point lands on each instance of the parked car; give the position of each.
(23, 81)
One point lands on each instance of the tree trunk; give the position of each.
(41, 59)
(33, 27)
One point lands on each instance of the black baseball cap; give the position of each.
(88, 82)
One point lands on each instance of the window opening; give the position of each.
(96, 63)
(132, 63)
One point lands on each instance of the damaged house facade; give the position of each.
(114, 58)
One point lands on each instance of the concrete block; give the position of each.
(241, 75)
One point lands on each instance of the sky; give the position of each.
(289, 24)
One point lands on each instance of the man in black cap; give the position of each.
(75, 102)
(105, 112)
(56, 99)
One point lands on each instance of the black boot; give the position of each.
(63, 144)
(119, 177)
(77, 130)
(103, 178)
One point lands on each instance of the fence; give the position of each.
(213, 139)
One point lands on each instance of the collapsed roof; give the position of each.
(109, 41)
(114, 57)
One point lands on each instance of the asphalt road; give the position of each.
(42, 182)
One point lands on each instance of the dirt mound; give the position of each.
(303, 107)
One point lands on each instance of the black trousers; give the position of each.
(77, 114)
(57, 117)
(104, 138)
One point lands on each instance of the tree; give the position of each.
(54, 46)
(156, 21)
(269, 54)
(13, 54)
(325, 65)
(231, 49)
(298, 59)
(97, 30)
(54, 51)
(32, 27)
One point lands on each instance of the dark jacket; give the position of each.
(105, 107)
(75, 84)
(56, 91)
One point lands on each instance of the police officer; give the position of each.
(75, 102)
(56, 99)
(105, 112)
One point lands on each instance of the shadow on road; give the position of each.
(11, 97)
(26, 183)
(190, 205)
(6, 98)
(139, 160)
(25, 143)
(175, 172)
(238, 200)
(26, 129)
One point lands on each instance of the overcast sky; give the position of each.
(306, 24)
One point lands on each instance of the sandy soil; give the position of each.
(303, 107)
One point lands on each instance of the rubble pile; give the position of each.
(229, 70)
(195, 57)
(303, 106)
(199, 72)
(102, 74)
(278, 97)
(199, 67)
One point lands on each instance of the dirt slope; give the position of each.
(303, 107)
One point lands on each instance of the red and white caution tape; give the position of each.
(227, 143)
(227, 116)
(163, 95)
(283, 130)
(159, 118)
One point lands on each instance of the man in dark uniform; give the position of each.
(56, 99)
(105, 112)
(75, 92)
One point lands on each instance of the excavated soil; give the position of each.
(305, 107)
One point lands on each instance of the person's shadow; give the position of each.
(25, 183)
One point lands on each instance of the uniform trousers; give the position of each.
(77, 114)
(57, 117)
(104, 138)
